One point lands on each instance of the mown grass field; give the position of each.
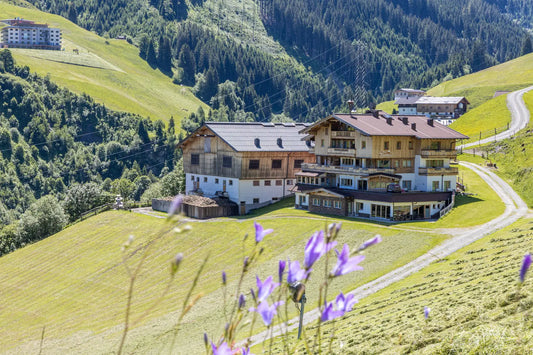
(481, 121)
(477, 306)
(514, 158)
(481, 86)
(110, 71)
(75, 285)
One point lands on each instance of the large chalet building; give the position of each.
(253, 164)
(379, 166)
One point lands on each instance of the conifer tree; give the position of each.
(527, 47)
(188, 64)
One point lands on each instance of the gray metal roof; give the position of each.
(439, 100)
(261, 137)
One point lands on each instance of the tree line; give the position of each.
(62, 154)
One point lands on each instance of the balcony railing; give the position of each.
(438, 153)
(345, 169)
(342, 151)
(438, 171)
(343, 134)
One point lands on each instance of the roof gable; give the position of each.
(393, 125)
(257, 136)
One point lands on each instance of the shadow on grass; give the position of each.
(288, 203)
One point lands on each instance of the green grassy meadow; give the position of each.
(110, 71)
(480, 87)
(75, 285)
(477, 306)
(484, 119)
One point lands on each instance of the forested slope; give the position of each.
(57, 143)
(332, 51)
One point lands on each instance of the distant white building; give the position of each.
(443, 109)
(20, 33)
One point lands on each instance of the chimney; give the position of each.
(430, 122)
(413, 126)
(280, 143)
(405, 120)
(389, 121)
(350, 106)
(257, 143)
(375, 113)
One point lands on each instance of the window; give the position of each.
(253, 164)
(316, 202)
(226, 162)
(406, 163)
(406, 184)
(447, 185)
(298, 163)
(256, 183)
(337, 204)
(230, 182)
(435, 185)
(435, 163)
(192, 177)
(207, 145)
(360, 206)
(195, 159)
(267, 183)
(346, 182)
(383, 163)
(279, 182)
(289, 182)
(322, 143)
(256, 200)
(216, 181)
(363, 144)
(386, 145)
(398, 145)
(205, 179)
(326, 129)
(410, 144)
(276, 163)
(435, 145)
(327, 203)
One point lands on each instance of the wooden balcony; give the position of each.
(438, 171)
(343, 134)
(345, 169)
(438, 153)
(345, 152)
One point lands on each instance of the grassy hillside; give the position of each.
(75, 285)
(476, 304)
(514, 158)
(480, 87)
(110, 71)
(481, 121)
(74, 282)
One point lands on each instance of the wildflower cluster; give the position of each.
(269, 295)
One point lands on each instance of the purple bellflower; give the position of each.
(224, 278)
(260, 232)
(377, 239)
(345, 264)
(264, 289)
(343, 303)
(175, 205)
(315, 248)
(281, 269)
(426, 312)
(526, 263)
(296, 273)
(242, 301)
(245, 351)
(266, 311)
(222, 349)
